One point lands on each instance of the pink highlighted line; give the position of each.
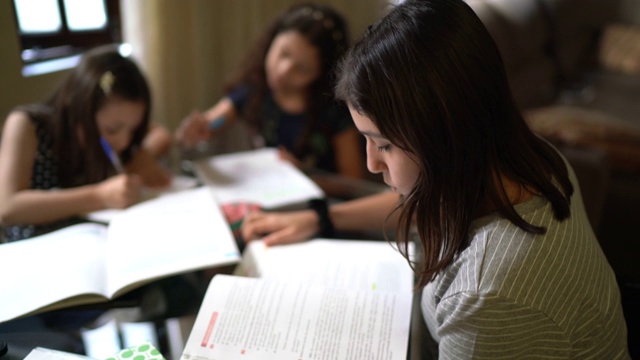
(207, 334)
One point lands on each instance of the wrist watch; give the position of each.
(321, 207)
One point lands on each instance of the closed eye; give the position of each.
(384, 148)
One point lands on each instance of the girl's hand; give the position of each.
(120, 191)
(151, 172)
(280, 228)
(157, 178)
(193, 129)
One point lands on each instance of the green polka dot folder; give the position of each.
(144, 351)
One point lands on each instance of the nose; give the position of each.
(375, 163)
(284, 67)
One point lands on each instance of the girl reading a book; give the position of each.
(61, 159)
(284, 94)
(508, 264)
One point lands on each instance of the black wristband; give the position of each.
(325, 223)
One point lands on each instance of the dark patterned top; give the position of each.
(280, 128)
(44, 176)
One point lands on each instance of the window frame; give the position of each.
(43, 47)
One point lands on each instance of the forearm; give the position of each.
(149, 169)
(368, 213)
(42, 206)
(158, 141)
(221, 115)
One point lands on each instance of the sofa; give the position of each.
(574, 70)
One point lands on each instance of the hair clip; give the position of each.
(106, 82)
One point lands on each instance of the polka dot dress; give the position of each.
(44, 177)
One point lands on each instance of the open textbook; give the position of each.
(323, 299)
(256, 176)
(89, 263)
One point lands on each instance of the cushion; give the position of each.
(588, 128)
(620, 49)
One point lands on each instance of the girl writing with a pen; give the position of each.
(284, 94)
(53, 167)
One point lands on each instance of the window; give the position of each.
(54, 33)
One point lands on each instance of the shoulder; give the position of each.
(239, 95)
(18, 124)
(243, 89)
(503, 259)
(489, 326)
(19, 138)
(35, 117)
(39, 115)
(240, 91)
(505, 263)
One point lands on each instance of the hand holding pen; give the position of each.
(111, 154)
(195, 128)
(119, 191)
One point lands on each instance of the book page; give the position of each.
(256, 176)
(172, 234)
(178, 183)
(51, 268)
(248, 318)
(349, 264)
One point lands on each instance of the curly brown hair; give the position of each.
(326, 29)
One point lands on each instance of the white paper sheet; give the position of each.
(256, 176)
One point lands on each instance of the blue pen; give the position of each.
(113, 157)
(217, 123)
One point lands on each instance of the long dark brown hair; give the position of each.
(323, 27)
(75, 104)
(431, 79)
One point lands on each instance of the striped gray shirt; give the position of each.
(512, 294)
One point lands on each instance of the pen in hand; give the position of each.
(113, 157)
(217, 123)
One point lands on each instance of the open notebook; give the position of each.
(93, 263)
(257, 177)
